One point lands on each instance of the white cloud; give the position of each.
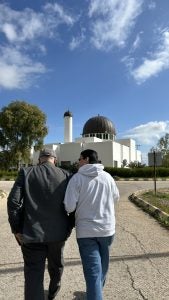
(136, 42)
(77, 41)
(9, 31)
(147, 136)
(129, 61)
(156, 64)
(113, 21)
(22, 30)
(152, 5)
(57, 10)
(19, 26)
(17, 70)
(149, 133)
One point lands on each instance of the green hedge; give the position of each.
(8, 175)
(146, 172)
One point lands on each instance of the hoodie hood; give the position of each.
(92, 170)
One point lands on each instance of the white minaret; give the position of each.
(68, 127)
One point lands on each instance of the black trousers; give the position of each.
(35, 256)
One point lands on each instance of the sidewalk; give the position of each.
(139, 261)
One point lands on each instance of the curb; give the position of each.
(154, 211)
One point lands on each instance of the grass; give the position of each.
(160, 200)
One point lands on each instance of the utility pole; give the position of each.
(154, 157)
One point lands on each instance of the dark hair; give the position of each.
(91, 154)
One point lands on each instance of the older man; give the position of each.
(40, 223)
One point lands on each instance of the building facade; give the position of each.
(98, 134)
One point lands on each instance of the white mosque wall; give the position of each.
(116, 154)
(132, 150)
(131, 145)
(125, 153)
(110, 153)
(134, 154)
(92, 139)
(126, 142)
(138, 156)
(69, 152)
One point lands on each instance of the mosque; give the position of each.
(98, 134)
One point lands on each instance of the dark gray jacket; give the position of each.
(35, 204)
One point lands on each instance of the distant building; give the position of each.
(98, 134)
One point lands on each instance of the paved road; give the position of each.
(139, 262)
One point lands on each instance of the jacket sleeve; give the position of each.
(116, 194)
(71, 195)
(15, 204)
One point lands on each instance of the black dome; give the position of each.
(98, 124)
(68, 114)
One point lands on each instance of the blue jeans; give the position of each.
(94, 254)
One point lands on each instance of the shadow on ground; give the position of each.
(79, 296)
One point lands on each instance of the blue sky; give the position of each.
(106, 57)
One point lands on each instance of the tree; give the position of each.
(163, 147)
(165, 160)
(163, 144)
(21, 126)
(124, 163)
(136, 164)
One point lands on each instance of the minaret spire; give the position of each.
(68, 127)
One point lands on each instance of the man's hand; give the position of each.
(19, 238)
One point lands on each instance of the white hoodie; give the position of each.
(92, 192)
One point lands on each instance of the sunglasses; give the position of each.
(80, 159)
